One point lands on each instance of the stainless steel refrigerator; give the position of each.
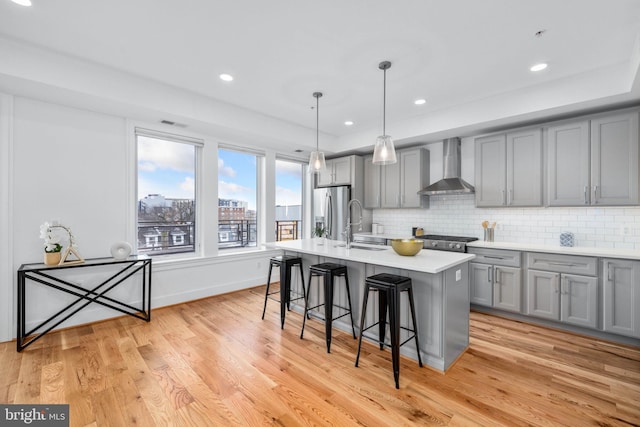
(330, 209)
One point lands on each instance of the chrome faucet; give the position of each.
(347, 230)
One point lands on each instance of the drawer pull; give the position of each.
(493, 257)
(563, 264)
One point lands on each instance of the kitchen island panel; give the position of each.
(441, 299)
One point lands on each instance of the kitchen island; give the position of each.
(440, 285)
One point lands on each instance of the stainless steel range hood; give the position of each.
(451, 183)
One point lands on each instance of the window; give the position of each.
(237, 199)
(166, 193)
(288, 200)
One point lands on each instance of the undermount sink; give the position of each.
(364, 248)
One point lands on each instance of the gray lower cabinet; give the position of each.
(621, 280)
(563, 287)
(566, 297)
(497, 284)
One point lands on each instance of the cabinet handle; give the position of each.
(489, 279)
(563, 264)
(586, 201)
(610, 276)
(595, 193)
(510, 197)
(497, 275)
(493, 257)
(556, 283)
(503, 197)
(563, 286)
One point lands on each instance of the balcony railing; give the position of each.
(234, 233)
(287, 230)
(159, 238)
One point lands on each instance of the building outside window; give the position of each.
(166, 218)
(288, 200)
(237, 199)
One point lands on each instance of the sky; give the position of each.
(167, 168)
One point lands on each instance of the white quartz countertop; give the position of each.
(564, 250)
(425, 261)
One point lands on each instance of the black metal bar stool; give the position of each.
(389, 287)
(285, 263)
(328, 272)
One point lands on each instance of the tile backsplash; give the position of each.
(603, 227)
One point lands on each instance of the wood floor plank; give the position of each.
(215, 362)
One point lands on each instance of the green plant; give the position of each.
(319, 231)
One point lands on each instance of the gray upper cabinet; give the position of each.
(614, 160)
(621, 279)
(568, 164)
(594, 162)
(524, 168)
(401, 181)
(371, 183)
(491, 170)
(414, 176)
(338, 172)
(390, 185)
(509, 169)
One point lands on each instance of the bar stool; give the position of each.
(389, 287)
(328, 271)
(285, 263)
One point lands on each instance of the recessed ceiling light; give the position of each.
(226, 77)
(348, 123)
(420, 101)
(538, 67)
(22, 2)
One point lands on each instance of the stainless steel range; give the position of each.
(446, 243)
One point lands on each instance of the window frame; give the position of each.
(259, 185)
(184, 138)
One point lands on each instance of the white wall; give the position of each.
(457, 215)
(73, 165)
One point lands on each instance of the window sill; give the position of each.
(170, 263)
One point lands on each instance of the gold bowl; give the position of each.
(407, 247)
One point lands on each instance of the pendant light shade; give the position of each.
(317, 163)
(384, 152)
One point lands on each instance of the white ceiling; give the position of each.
(454, 53)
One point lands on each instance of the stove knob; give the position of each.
(458, 246)
(434, 244)
(451, 245)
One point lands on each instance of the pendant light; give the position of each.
(384, 152)
(316, 160)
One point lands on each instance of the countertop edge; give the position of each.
(629, 254)
(440, 260)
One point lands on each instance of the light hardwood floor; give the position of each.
(213, 362)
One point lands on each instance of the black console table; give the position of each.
(94, 293)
